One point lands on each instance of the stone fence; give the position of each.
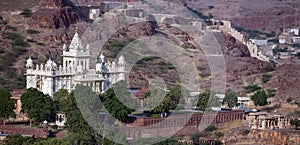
(187, 120)
(176, 125)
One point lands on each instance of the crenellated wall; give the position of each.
(253, 49)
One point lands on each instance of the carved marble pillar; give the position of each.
(102, 87)
(263, 124)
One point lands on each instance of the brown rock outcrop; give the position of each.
(231, 46)
(56, 14)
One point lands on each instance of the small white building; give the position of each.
(60, 120)
(94, 13)
(296, 40)
(259, 42)
(284, 55)
(294, 31)
(282, 39)
(244, 101)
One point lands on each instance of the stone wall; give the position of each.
(253, 49)
(177, 124)
(182, 120)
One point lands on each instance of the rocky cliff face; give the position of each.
(231, 46)
(261, 137)
(55, 14)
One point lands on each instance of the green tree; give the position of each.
(207, 100)
(231, 99)
(178, 95)
(295, 123)
(26, 13)
(61, 95)
(39, 107)
(114, 104)
(211, 128)
(49, 141)
(260, 98)
(7, 105)
(158, 101)
(289, 100)
(83, 105)
(252, 88)
(153, 99)
(219, 134)
(265, 78)
(60, 98)
(79, 130)
(196, 136)
(18, 140)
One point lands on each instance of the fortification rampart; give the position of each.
(253, 49)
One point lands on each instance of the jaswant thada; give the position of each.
(50, 78)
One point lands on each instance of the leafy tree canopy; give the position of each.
(295, 123)
(7, 105)
(80, 104)
(231, 99)
(160, 102)
(207, 100)
(61, 95)
(80, 131)
(60, 99)
(18, 140)
(252, 88)
(118, 106)
(260, 98)
(38, 106)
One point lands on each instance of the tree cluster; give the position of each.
(119, 105)
(7, 105)
(207, 100)
(20, 140)
(158, 101)
(260, 98)
(38, 106)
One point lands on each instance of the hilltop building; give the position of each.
(50, 78)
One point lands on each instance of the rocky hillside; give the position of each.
(240, 66)
(52, 23)
(54, 14)
(16, 5)
(37, 31)
(262, 15)
(265, 15)
(286, 81)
